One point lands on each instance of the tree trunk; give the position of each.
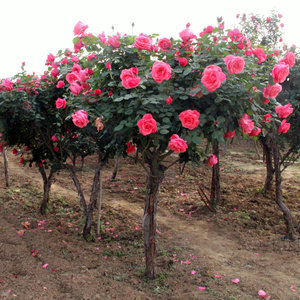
(4, 153)
(78, 187)
(290, 231)
(47, 182)
(114, 174)
(154, 179)
(93, 201)
(215, 194)
(267, 150)
(82, 162)
(99, 205)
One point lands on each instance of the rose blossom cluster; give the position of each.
(77, 79)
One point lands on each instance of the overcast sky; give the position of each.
(31, 29)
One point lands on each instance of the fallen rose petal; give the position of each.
(218, 276)
(193, 272)
(45, 266)
(236, 280)
(293, 288)
(21, 232)
(202, 288)
(262, 294)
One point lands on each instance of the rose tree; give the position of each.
(165, 95)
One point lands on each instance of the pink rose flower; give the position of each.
(272, 91)
(182, 61)
(262, 294)
(161, 71)
(143, 42)
(147, 125)
(243, 43)
(76, 88)
(246, 124)
(108, 66)
(169, 100)
(50, 59)
(284, 111)
(255, 131)
(212, 160)
(60, 103)
(267, 118)
(8, 84)
(97, 92)
(75, 59)
(260, 54)
(280, 72)
(114, 42)
(54, 138)
(289, 59)
(54, 72)
(189, 118)
(212, 77)
(80, 118)
(129, 78)
(186, 35)
(64, 61)
(72, 77)
(284, 127)
(177, 144)
(230, 134)
(165, 44)
(235, 64)
(60, 84)
(79, 28)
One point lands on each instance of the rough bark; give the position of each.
(78, 187)
(154, 180)
(4, 153)
(266, 143)
(93, 201)
(99, 205)
(47, 182)
(215, 194)
(114, 174)
(290, 231)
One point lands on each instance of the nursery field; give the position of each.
(201, 254)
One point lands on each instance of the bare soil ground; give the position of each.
(196, 248)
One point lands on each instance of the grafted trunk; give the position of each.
(4, 153)
(215, 194)
(290, 231)
(47, 182)
(154, 180)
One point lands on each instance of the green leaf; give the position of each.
(164, 131)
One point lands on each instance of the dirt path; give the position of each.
(217, 250)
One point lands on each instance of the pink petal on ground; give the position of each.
(218, 276)
(236, 280)
(202, 288)
(293, 288)
(193, 272)
(256, 253)
(45, 266)
(262, 294)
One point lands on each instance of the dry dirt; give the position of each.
(242, 240)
